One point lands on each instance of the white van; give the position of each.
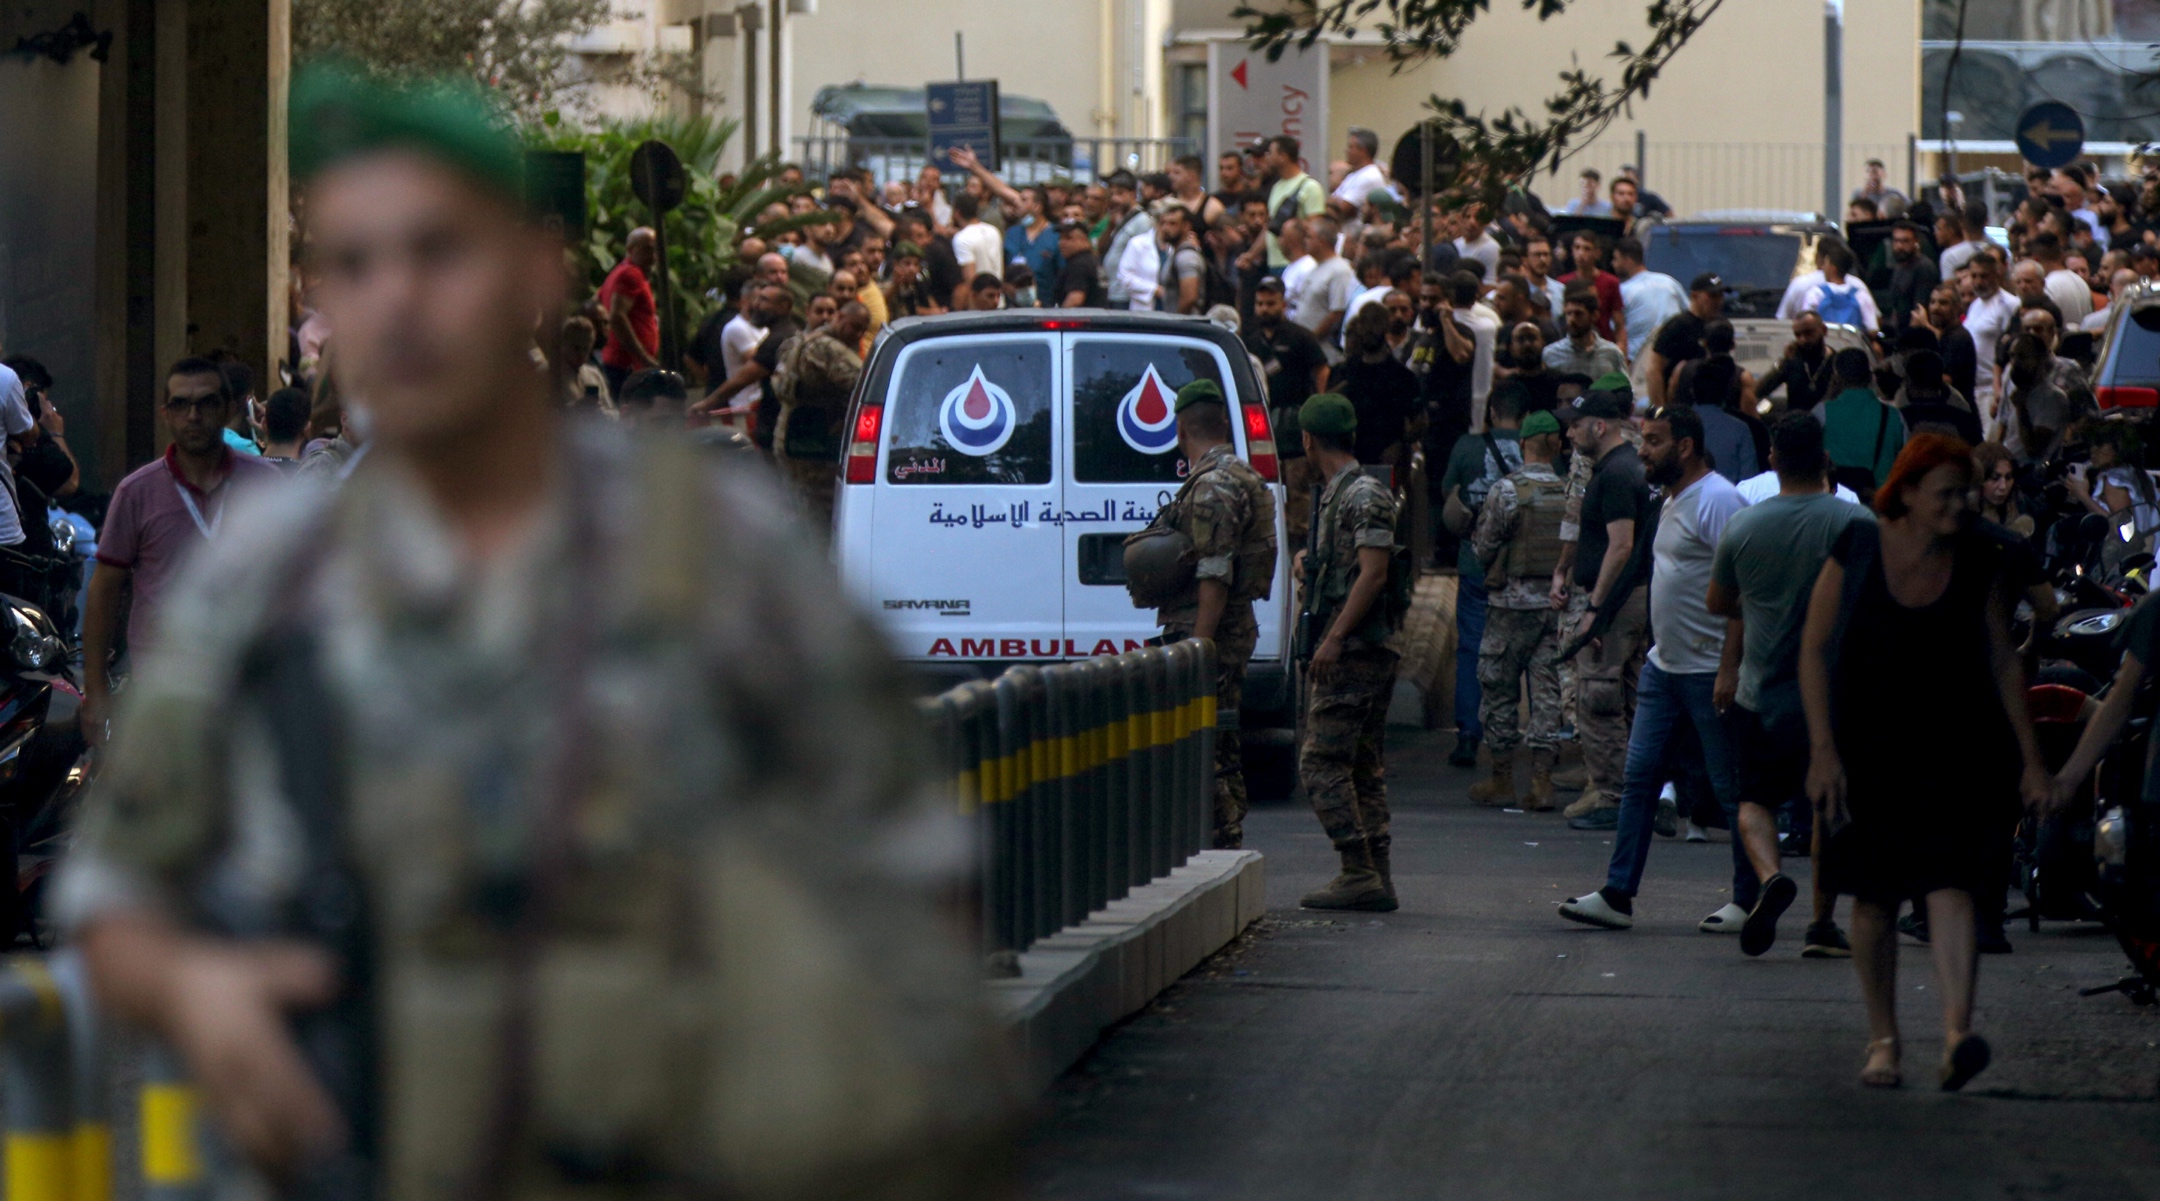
(998, 460)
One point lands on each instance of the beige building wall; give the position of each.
(1736, 121)
(1097, 62)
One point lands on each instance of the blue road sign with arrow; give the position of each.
(2050, 134)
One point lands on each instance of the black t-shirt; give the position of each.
(768, 357)
(1941, 412)
(942, 268)
(1618, 491)
(1080, 275)
(704, 347)
(1681, 339)
(1289, 354)
(1385, 395)
(1961, 363)
(1541, 388)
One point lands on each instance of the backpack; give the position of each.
(1840, 306)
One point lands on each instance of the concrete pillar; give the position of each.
(237, 232)
(193, 220)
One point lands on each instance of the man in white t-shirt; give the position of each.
(977, 244)
(1323, 294)
(2063, 285)
(1992, 313)
(1348, 198)
(1476, 242)
(1677, 689)
(740, 337)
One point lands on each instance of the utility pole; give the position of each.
(1833, 109)
(959, 57)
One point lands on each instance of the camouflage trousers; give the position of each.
(1234, 638)
(1605, 678)
(812, 481)
(1519, 642)
(1342, 763)
(1300, 480)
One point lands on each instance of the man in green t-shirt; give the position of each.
(1476, 461)
(1294, 194)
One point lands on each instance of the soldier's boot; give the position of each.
(1499, 790)
(1540, 799)
(1379, 850)
(1359, 886)
(1574, 777)
(1592, 799)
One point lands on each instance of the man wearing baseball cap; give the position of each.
(1517, 540)
(1349, 615)
(1598, 538)
(1681, 338)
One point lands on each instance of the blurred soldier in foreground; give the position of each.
(1225, 508)
(562, 738)
(1349, 616)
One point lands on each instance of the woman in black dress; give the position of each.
(1921, 748)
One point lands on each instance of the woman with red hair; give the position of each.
(1920, 745)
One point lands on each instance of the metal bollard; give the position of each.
(1204, 807)
(38, 1073)
(172, 1150)
(1118, 776)
(1000, 878)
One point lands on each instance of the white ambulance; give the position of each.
(996, 462)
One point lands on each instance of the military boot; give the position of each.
(1379, 850)
(1358, 887)
(1541, 782)
(1500, 789)
(1573, 778)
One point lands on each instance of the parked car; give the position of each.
(2127, 373)
(998, 460)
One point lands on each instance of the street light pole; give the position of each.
(1833, 108)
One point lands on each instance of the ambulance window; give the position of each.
(971, 412)
(1124, 429)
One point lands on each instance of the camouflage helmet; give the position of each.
(1160, 564)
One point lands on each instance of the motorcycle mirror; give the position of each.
(2092, 528)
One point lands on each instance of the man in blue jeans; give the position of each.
(1678, 686)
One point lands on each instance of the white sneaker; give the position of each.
(1725, 921)
(1591, 910)
(1696, 833)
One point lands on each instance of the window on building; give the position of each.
(1191, 116)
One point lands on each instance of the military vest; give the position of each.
(1534, 551)
(1254, 565)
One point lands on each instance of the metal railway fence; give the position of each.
(1085, 780)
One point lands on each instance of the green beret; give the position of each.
(1540, 422)
(1611, 381)
(1328, 413)
(1199, 392)
(338, 112)
(906, 250)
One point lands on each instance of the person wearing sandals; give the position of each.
(1907, 645)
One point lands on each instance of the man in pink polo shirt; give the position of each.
(160, 514)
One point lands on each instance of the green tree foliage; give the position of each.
(517, 47)
(1498, 151)
(704, 235)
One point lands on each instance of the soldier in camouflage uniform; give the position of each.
(1349, 616)
(564, 739)
(1517, 538)
(1229, 513)
(817, 374)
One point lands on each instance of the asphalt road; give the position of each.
(1473, 1045)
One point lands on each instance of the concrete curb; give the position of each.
(1078, 982)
